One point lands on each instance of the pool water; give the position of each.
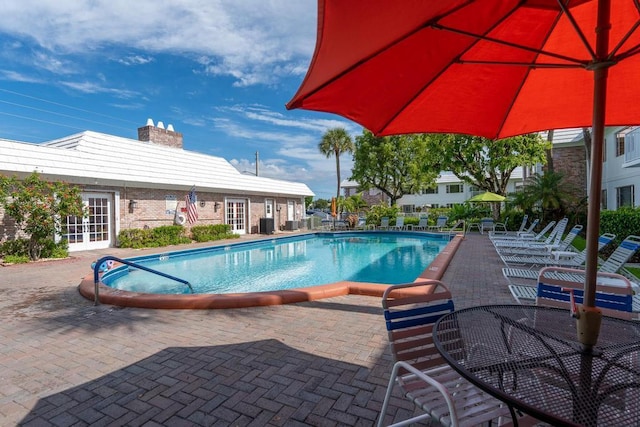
(287, 263)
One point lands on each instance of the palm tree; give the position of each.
(335, 142)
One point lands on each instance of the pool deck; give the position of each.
(66, 362)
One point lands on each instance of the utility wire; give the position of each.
(63, 115)
(66, 106)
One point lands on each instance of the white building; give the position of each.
(129, 183)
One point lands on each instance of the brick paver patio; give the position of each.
(64, 362)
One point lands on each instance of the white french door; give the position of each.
(236, 215)
(92, 231)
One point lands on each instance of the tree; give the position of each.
(484, 163)
(396, 165)
(549, 193)
(335, 142)
(38, 206)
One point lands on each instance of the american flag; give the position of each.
(192, 208)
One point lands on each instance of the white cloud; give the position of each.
(254, 41)
(135, 60)
(19, 77)
(89, 87)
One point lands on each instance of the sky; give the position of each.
(219, 71)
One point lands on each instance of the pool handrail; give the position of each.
(96, 273)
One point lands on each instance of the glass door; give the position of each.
(92, 231)
(236, 216)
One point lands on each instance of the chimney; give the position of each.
(160, 135)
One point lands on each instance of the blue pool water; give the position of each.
(285, 263)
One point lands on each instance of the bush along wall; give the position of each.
(166, 235)
(622, 223)
(207, 233)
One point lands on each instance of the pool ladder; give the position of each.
(96, 275)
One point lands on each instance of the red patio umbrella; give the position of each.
(482, 67)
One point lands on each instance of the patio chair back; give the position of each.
(532, 226)
(523, 224)
(384, 223)
(487, 224)
(399, 223)
(569, 238)
(558, 231)
(441, 221)
(410, 312)
(614, 294)
(621, 255)
(423, 222)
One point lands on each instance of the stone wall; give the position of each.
(571, 162)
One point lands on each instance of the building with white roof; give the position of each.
(142, 183)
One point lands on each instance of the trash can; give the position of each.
(267, 226)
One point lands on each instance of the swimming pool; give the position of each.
(305, 267)
(288, 263)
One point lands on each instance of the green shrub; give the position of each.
(622, 223)
(152, 237)
(16, 259)
(17, 247)
(377, 212)
(206, 233)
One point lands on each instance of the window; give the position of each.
(449, 205)
(433, 190)
(454, 188)
(435, 205)
(604, 150)
(624, 196)
(603, 200)
(619, 144)
(408, 208)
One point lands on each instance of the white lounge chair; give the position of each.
(399, 225)
(542, 250)
(614, 264)
(441, 222)
(384, 223)
(421, 226)
(519, 275)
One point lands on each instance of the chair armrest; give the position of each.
(427, 379)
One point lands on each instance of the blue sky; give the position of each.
(219, 71)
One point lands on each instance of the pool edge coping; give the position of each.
(110, 296)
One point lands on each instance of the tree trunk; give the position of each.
(338, 173)
(586, 136)
(549, 152)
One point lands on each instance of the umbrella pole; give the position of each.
(589, 316)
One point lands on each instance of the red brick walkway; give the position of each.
(64, 362)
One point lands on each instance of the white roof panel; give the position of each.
(111, 160)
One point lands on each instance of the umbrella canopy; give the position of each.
(487, 196)
(484, 67)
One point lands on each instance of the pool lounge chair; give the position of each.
(421, 226)
(518, 234)
(410, 311)
(399, 225)
(441, 222)
(538, 250)
(384, 223)
(516, 275)
(554, 237)
(614, 264)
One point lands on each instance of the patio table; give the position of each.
(529, 357)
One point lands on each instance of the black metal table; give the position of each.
(529, 357)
